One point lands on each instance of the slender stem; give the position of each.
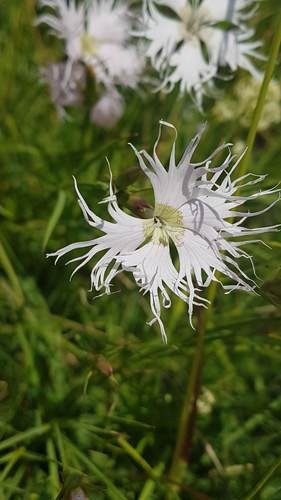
(24, 436)
(14, 457)
(112, 491)
(273, 54)
(189, 408)
(12, 275)
(53, 468)
(137, 457)
(264, 480)
(187, 420)
(28, 356)
(52, 222)
(149, 485)
(60, 445)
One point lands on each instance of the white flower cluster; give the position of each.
(196, 211)
(192, 40)
(187, 42)
(97, 34)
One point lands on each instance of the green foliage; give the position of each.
(90, 398)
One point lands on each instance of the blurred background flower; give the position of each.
(65, 92)
(190, 45)
(97, 34)
(108, 109)
(240, 104)
(189, 42)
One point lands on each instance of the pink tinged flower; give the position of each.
(99, 34)
(196, 211)
(108, 109)
(66, 84)
(190, 46)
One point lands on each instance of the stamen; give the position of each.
(167, 222)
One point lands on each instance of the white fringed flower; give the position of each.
(99, 35)
(64, 91)
(195, 205)
(67, 22)
(108, 110)
(189, 46)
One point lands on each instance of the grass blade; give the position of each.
(59, 206)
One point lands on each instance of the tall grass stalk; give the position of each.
(272, 58)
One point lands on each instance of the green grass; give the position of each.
(89, 395)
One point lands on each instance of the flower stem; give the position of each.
(188, 416)
(189, 409)
(273, 54)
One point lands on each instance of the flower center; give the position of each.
(193, 21)
(88, 44)
(167, 222)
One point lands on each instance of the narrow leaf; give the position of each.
(54, 218)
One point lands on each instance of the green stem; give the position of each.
(8, 268)
(11, 486)
(14, 457)
(149, 485)
(57, 212)
(60, 445)
(53, 468)
(113, 492)
(24, 436)
(130, 450)
(188, 415)
(28, 357)
(273, 54)
(264, 480)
